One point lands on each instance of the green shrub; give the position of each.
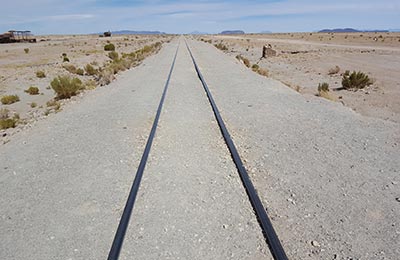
(109, 47)
(255, 67)
(9, 99)
(113, 55)
(26, 50)
(33, 105)
(355, 80)
(90, 70)
(66, 87)
(40, 74)
(32, 90)
(65, 59)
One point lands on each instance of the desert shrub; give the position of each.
(53, 104)
(106, 76)
(65, 59)
(109, 47)
(9, 99)
(113, 55)
(32, 90)
(255, 67)
(90, 70)
(90, 84)
(355, 80)
(221, 46)
(334, 70)
(26, 50)
(147, 49)
(66, 87)
(6, 121)
(323, 87)
(263, 72)
(33, 105)
(80, 71)
(245, 61)
(40, 74)
(70, 68)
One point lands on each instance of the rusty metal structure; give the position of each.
(17, 36)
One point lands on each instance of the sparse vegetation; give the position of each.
(65, 59)
(323, 87)
(245, 61)
(323, 91)
(334, 70)
(113, 55)
(40, 74)
(90, 70)
(264, 72)
(32, 90)
(33, 105)
(355, 80)
(9, 99)
(221, 46)
(26, 50)
(90, 84)
(54, 104)
(70, 68)
(109, 47)
(255, 67)
(65, 86)
(80, 71)
(6, 120)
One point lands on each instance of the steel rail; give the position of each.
(270, 235)
(126, 215)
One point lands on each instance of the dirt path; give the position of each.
(192, 204)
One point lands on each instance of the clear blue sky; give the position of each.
(180, 16)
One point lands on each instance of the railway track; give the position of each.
(269, 233)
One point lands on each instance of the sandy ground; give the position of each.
(18, 69)
(377, 54)
(328, 176)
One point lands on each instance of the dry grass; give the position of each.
(90, 70)
(6, 121)
(40, 74)
(9, 99)
(32, 90)
(70, 68)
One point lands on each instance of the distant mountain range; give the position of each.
(135, 32)
(348, 30)
(232, 32)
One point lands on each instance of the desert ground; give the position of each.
(303, 60)
(20, 63)
(325, 169)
